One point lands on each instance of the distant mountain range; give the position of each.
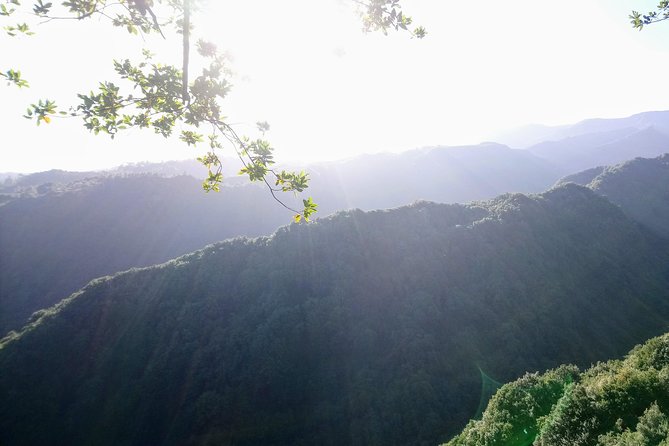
(443, 174)
(530, 135)
(584, 152)
(362, 328)
(56, 237)
(102, 222)
(640, 187)
(13, 183)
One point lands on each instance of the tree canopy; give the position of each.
(170, 99)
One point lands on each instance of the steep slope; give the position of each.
(588, 151)
(364, 328)
(582, 178)
(617, 403)
(53, 244)
(640, 187)
(56, 242)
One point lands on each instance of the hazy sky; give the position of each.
(329, 91)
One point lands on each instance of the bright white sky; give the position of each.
(329, 91)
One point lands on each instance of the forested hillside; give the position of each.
(640, 187)
(60, 236)
(363, 328)
(56, 235)
(616, 403)
(55, 243)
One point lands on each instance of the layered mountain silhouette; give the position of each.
(363, 328)
(58, 230)
(587, 151)
(527, 136)
(640, 187)
(56, 237)
(443, 174)
(55, 243)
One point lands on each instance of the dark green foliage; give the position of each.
(640, 187)
(514, 413)
(363, 328)
(617, 403)
(55, 243)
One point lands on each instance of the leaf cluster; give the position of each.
(617, 403)
(640, 20)
(162, 97)
(384, 15)
(14, 77)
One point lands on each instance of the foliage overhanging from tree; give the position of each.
(661, 13)
(167, 98)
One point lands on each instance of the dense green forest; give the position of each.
(640, 187)
(56, 242)
(615, 403)
(59, 235)
(363, 328)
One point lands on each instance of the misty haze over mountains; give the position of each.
(296, 331)
(569, 148)
(62, 229)
(530, 135)
(369, 326)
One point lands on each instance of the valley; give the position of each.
(363, 327)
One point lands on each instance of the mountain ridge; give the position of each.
(524, 137)
(365, 327)
(639, 186)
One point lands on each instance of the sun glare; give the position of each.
(329, 91)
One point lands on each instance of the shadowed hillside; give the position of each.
(363, 328)
(640, 187)
(55, 242)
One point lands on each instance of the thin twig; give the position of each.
(240, 143)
